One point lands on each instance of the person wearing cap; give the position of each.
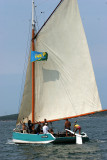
(45, 129)
(77, 127)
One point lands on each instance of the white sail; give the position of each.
(26, 104)
(65, 84)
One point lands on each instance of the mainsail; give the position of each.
(65, 84)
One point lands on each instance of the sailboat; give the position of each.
(64, 85)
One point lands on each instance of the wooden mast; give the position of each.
(33, 64)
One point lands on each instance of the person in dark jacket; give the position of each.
(38, 129)
(30, 126)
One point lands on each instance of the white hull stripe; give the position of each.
(38, 142)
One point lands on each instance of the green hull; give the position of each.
(65, 140)
(68, 140)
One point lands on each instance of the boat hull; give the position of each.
(44, 138)
(32, 138)
(68, 140)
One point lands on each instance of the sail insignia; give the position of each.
(38, 56)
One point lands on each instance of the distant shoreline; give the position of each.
(9, 117)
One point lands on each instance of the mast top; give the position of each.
(33, 15)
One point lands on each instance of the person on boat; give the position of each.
(45, 129)
(30, 126)
(77, 127)
(51, 131)
(45, 121)
(38, 129)
(24, 127)
(67, 126)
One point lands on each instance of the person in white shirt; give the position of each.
(45, 129)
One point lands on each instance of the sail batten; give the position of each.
(65, 85)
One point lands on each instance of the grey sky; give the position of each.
(15, 18)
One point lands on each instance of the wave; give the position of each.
(10, 141)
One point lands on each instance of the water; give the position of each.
(95, 149)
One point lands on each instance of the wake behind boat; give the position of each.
(60, 81)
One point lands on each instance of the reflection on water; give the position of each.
(95, 149)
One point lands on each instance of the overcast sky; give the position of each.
(15, 31)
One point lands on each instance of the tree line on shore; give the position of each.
(9, 117)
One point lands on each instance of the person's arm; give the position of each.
(70, 125)
(74, 128)
(36, 122)
(20, 122)
(26, 127)
(47, 128)
(65, 125)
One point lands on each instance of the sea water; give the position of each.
(96, 149)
